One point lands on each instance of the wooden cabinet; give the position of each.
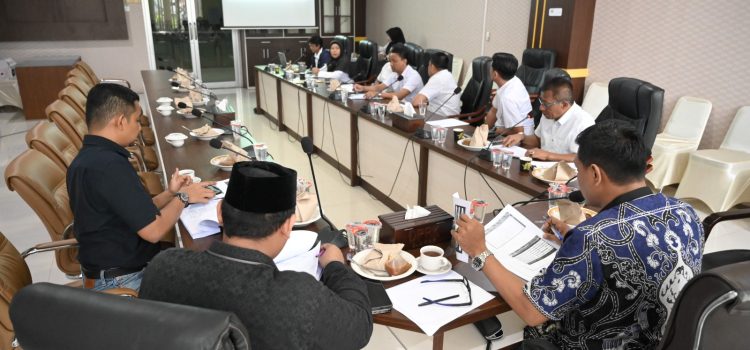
(337, 17)
(39, 81)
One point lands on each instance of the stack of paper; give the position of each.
(298, 256)
(202, 220)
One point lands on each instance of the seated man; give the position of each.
(511, 105)
(563, 121)
(616, 276)
(117, 224)
(439, 89)
(405, 89)
(320, 57)
(281, 309)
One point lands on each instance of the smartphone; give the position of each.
(379, 299)
(214, 188)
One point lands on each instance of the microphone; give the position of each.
(400, 78)
(424, 134)
(169, 68)
(216, 143)
(575, 196)
(330, 234)
(209, 95)
(485, 153)
(198, 113)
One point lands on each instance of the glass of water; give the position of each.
(507, 160)
(423, 108)
(344, 96)
(261, 151)
(497, 157)
(381, 111)
(435, 136)
(442, 133)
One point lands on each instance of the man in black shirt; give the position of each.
(116, 223)
(281, 309)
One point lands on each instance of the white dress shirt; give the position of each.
(316, 56)
(387, 75)
(559, 136)
(513, 105)
(438, 90)
(412, 81)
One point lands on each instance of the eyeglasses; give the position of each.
(441, 301)
(547, 104)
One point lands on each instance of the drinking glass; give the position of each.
(507, 160)
(442, 133)
(497, 157)
(344, 96)
(381, 111)
(261, 151)
(435, 135)
(423, 108)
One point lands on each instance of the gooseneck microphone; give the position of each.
(198, 113)
(424, 134)
(400, 78)
(330, 234)
(203, 85)
(485, 153)
(575, 196)
(209, 95)
(216, 143)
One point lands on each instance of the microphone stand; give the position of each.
(210, 95)
(203, 85)
(215, 143)
(485, 153)
(424, 134)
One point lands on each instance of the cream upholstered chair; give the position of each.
(681, 136)
(721, 177)
(597, 97)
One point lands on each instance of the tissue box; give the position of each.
(432, 229)
(404, 123)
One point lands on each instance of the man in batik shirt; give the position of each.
(616, 276)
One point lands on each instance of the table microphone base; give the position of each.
(485, 154)
(335, 237)
(423, 134)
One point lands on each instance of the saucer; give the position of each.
(447, 267)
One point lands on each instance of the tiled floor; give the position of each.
(341, 202)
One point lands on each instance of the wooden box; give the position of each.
(405, 123)
(433, 229)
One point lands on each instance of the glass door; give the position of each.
(188, 34)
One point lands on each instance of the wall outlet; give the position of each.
(487, 36)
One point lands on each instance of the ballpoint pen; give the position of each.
(556, 232)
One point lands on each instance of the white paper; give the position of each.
(298, 256)
(326, 75)
(347, 87)
(415, 212)
(460, 206)
(407, 296)
(518, 243)
(408, 109)
(447, 123)
(360, 96)
(202, 220)
(518, 152)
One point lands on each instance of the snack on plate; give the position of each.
(205, 130)
(561, 171)
(227, 160)
(397, 266)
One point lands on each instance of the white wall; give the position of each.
(109, 58)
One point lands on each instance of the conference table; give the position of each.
(366, 149)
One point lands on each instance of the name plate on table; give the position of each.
(405, 123)
(433, 229)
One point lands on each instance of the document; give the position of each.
(460, 206)
(406, 298)
(518, 152)
(518, 244)
(447, 123)
(298, 256)
(360, 96)
(202, 220)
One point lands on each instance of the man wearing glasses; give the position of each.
(554, 138)
(617, 275)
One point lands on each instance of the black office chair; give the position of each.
(413, 54)
(637, 102)
(365, 66)
(345, 42)
(723, 257)
(534, 63)
(548, 75)
(424, 61)
(49, 316)
(476, 93)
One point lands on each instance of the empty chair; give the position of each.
(597, 97)
(424, 61)
(534, 63)
(93, 78)
(637, 102)
(711, 311)
(721, 177)
(413, 54)
(476, 93)
(681, 136)
(41, 184)
(364, 69)
(725, 256)
(48, 316)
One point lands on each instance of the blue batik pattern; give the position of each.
(616, 276)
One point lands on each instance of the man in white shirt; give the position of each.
(320, 57)
(406, 89)
(511, 106)
(557, 131)
(439, 89)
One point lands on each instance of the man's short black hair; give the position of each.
(440, 60)
(400, 50)
(617, 148)
(561, 88)
(106, 101)
(315, 40)
(238, 223)
(505, 64)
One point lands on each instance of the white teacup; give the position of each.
(431, 258)
(188, 172)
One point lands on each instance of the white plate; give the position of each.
(465, 144)
(199, 103)
(315, 218)
(363, 254)
(215, 162)
(163, 100)
(555, 213)
(447, 267)
(217, 133)
(537, 173)
(165, 108)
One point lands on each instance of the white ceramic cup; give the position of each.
(431, 258)
(188, 172)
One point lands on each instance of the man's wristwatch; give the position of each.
(478, 262)
(184, 198)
